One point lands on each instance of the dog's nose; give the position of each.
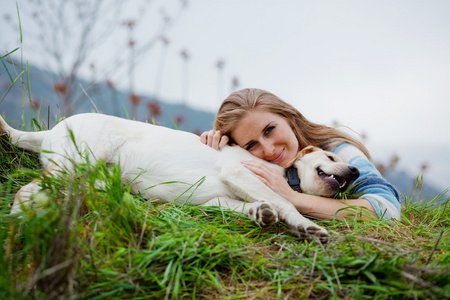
(354, 172)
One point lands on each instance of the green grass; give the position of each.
(91, 243)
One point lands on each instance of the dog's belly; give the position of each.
(196, 190)
(158, 162)
(179, 174)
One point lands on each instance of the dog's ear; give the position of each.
(300, 154)
(307, 150)
(297, 157)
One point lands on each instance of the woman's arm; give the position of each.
(311, 205)
(376, 196)
(327, 208)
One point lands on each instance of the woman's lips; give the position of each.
(278, 158)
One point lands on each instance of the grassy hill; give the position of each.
(83, 242)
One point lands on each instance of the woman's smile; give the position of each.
(267, 136)
(278, 157)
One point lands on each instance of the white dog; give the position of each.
(150, 155)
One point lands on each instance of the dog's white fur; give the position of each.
(149, 155)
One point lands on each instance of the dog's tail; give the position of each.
(31, 141)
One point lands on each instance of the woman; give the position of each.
(273, 130)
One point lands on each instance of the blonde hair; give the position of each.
(236, 105)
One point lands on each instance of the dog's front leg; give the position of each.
(262, 213)
(246, 186)
(23, 196)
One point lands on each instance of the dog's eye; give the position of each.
(331, 158)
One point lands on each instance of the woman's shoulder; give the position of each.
(348, 152)
(355, 157)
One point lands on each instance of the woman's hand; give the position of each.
(270, 177)
(214, 139)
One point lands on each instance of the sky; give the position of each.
(381, 67)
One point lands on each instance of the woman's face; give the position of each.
(267, 136)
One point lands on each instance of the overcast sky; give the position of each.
(379, 67)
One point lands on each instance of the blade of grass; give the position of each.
(9, 53)
(10, 87)
(29, 97)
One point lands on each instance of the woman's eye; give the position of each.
(269, 129)
(250, 146)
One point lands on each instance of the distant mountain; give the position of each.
(114, 102)
(101, 96)
(415, 188)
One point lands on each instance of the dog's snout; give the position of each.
(354, 172)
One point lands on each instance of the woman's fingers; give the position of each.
(214, 139)
(260, 169)
(270, 177)
(224, 140)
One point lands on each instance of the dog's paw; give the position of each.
(311, 232)
(264, 215)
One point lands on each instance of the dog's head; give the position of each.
(324, 173)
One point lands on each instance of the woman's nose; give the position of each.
(267, 149)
